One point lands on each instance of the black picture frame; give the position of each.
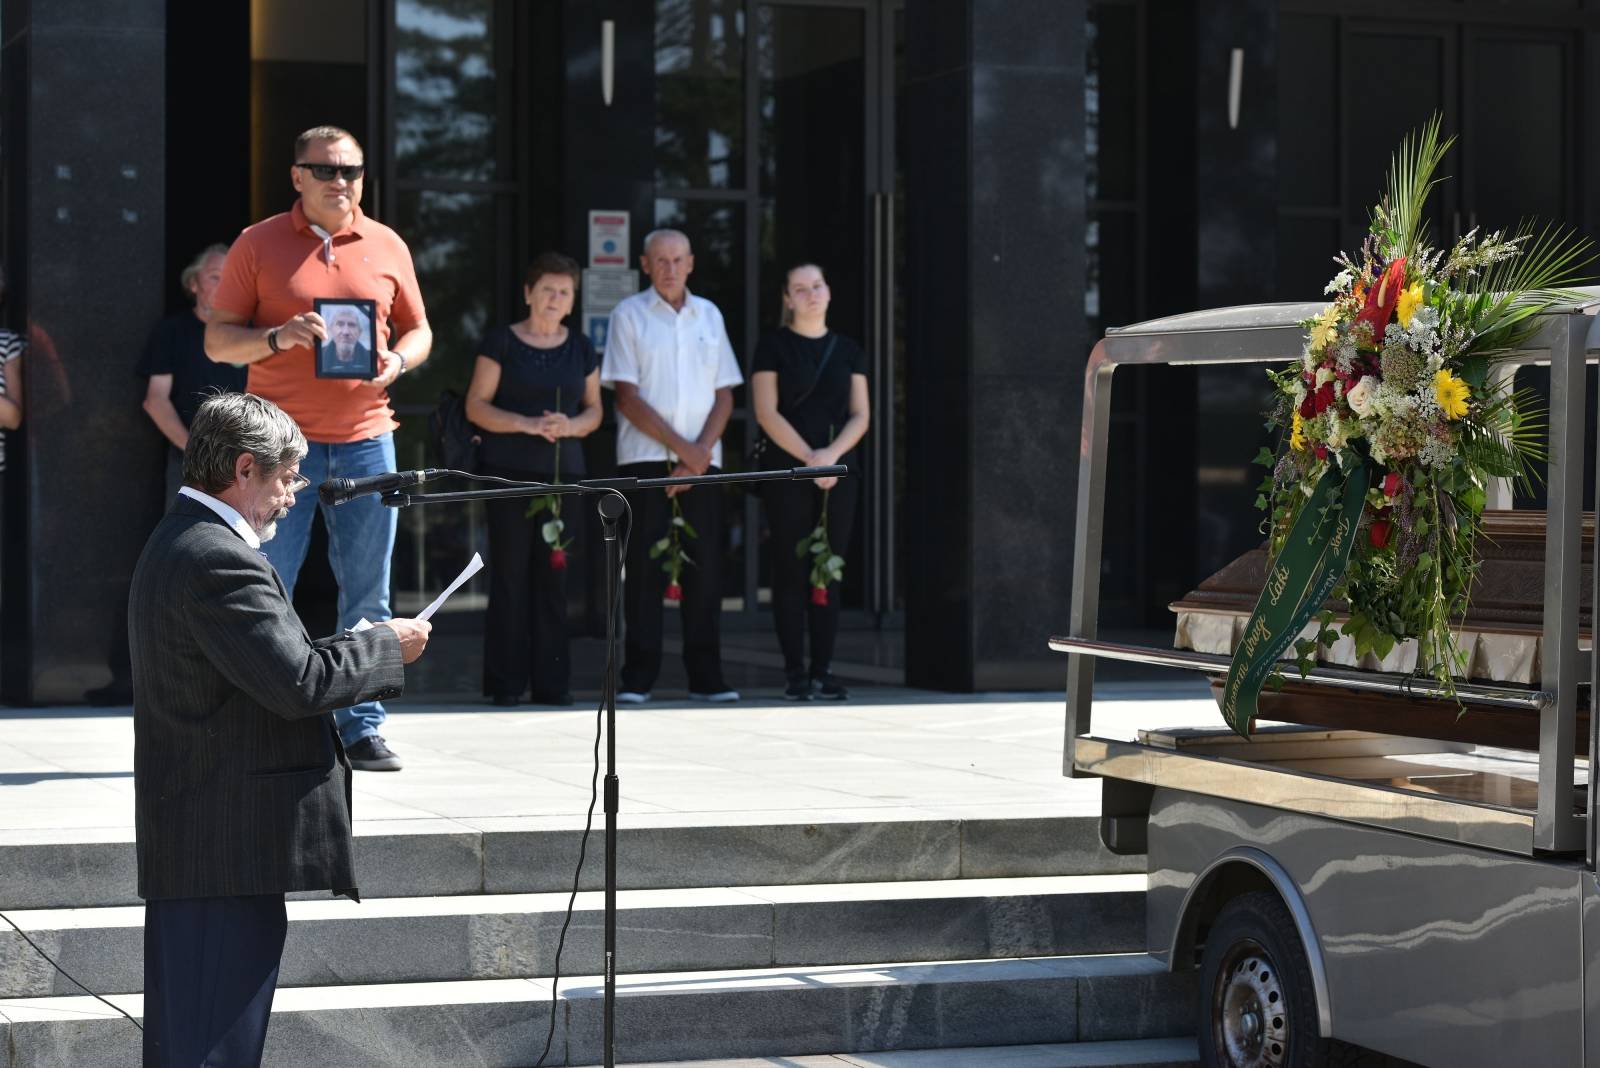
(363, 361)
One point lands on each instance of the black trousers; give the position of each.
(793, 509)
(646, 584)
(210, 970)
(525, 635)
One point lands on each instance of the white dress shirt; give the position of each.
(677, 359)
(229, 515)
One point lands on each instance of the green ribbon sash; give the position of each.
(1304, 574)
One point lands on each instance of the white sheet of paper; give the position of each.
(474, 566)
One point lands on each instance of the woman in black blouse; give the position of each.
(536, 384)
(809, 386)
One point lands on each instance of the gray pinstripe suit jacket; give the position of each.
(240, 783)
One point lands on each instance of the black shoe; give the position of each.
(506, 700)
(371, 754)
(542, 697)
(110, 695)
(828, 688)
(799, 689)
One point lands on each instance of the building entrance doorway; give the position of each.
(774, 145)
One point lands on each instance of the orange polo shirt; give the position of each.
(274, 271)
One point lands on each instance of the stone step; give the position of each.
(530, 854)
(502, 936)
(783, 1012)
(1129, 1053)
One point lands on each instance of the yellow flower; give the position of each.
(1297, 434)
(1451, 393)
(1322, 331)
(1410, 299)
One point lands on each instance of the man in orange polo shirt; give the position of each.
(261, 316)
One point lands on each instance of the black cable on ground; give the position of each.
(70, 978)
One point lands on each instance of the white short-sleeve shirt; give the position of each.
(678, 359)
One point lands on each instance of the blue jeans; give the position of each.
(360, 542)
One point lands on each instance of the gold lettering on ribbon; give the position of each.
(1278, 583)
(1338, 534)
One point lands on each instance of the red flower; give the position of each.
(674, 592)
(1380, 532)
(1392, 483)
(1321, 451)
(1308, 407)
(1323, 397)
(558, 559)
(1382, 298)
(819, 595)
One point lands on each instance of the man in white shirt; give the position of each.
(673, 369)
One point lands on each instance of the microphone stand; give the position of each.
(610, 506)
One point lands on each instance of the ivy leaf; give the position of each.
(1266, 458)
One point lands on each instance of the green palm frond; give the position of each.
(1399, 215)
(1508, 439)
(1502, 300)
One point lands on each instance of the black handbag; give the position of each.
(455, 435)
(756, 456)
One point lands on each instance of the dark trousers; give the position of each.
(646, 584)
(793, 509)
(210, 970)
(526, 624)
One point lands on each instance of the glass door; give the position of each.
(774, 146)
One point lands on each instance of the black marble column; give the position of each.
(996, 336)
(85, 151)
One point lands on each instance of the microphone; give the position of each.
(340, 490)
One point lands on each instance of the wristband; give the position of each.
(402, 358)
(272, 340)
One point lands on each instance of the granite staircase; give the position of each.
(945, 942)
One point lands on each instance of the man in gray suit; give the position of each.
(242, 789)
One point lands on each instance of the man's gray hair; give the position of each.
(198, 264)
(228, 424)
(662, 234)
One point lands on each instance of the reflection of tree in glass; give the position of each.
(452, 240)
(445, 91)
(700, 93)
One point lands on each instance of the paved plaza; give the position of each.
(67, 773)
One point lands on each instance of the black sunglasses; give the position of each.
(324, 172)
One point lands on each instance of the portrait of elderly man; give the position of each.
(241, 786)
(325, 248)
(347, 353)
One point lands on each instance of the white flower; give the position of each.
(1324, 376)
(1360, 396)
(1339, 432)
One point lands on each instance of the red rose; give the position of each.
(1308, 407)
(819, 595)
(1323, 397)
(1392, 483)
(558, 559)
(1382, 298)
(674, 592)
(1321, 451)
(1380, 532)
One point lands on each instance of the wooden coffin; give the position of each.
(1502, 634)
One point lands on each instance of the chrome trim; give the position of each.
(1285, 885)
(1447, 819)
(1416, 686)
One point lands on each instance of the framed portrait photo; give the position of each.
(351, 348)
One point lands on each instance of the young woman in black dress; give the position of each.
(809, 387)
(535, 389)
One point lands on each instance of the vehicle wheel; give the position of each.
(1257, 1005)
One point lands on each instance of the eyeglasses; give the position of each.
(297, 482)
(325, 172)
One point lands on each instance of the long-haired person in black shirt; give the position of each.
(809, 386)
(535, 389)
